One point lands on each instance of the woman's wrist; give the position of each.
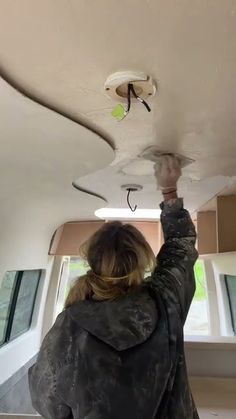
(169, 193)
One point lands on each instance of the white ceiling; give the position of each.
(62, 52)
(41, 154)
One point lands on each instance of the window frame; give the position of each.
(3, 339)
(191, 335)
(233, 322)
(13, 304)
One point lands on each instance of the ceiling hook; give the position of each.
(128, 201)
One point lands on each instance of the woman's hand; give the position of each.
(167, 172)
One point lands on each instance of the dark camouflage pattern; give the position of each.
(124, 359)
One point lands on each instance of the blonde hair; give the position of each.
(118, 256)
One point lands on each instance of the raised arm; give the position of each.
(174, 274)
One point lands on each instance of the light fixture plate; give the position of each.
(116, 85)
(133, 187)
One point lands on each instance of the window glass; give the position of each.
(6, 294)
(197, 322)
(25, 302)
(77, 268)
(230, 282)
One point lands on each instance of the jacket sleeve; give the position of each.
(174, 274)
(43, 382)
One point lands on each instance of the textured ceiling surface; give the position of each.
(40, 151)
(63, 51)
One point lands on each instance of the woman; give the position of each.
(116, 351)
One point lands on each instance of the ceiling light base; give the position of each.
(131, 187)
(116, 85)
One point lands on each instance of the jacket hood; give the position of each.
(122, 324)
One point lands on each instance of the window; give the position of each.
(6, 294)
(17, 297)
(230, 282)
(197, 322)
(77, 267)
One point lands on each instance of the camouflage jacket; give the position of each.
(124, 359)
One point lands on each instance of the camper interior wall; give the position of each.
(23, 246)
(29, 243)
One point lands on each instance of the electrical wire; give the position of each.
(128, 201)
(132, 89)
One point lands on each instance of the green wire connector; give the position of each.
(119, 112)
